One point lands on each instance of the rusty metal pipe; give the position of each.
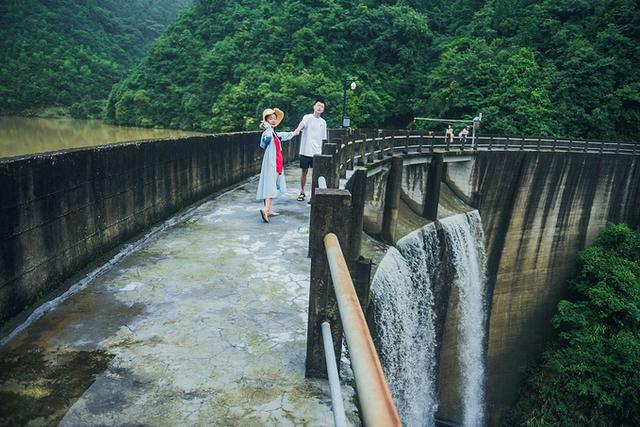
(375, 399)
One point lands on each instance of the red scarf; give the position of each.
(279, 162)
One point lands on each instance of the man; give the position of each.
(448, 135)
(463, 134)
(315, 131)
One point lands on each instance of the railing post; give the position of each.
(363, 282)
(329, 148)
(328, 212)
(344, 154)
(490, 142)
(357, 185)
(323, 165)
(337, 160)
(383, 144)
(353, 151)
(380, 144)
(405, 150)
(432, 191)
(392, 200)
(362, 161)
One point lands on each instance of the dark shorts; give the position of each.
(306, 162)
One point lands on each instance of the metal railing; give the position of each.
(337, 405)
(362, 147)
(375, 399)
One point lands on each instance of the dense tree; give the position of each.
(590, 374)
(69, 53)
(551, 67)
(559, 68)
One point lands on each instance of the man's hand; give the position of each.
(299, 128)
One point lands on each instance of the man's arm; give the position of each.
(300, 126)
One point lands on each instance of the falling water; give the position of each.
(402, 292)
(464, 241)
(405, 324)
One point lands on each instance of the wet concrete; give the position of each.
(205, 325)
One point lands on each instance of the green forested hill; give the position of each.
(65, 52)
(552, 67)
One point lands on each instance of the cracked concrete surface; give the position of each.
(206, 325)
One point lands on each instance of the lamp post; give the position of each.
(348, 83)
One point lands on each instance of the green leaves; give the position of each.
(563, 68)
(70, 53)
(591, 373)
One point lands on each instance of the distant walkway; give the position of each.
(204, 326)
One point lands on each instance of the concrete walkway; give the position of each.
(205, 325)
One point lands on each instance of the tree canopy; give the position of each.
(556, 68)
(64, 52)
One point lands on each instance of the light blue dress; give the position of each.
(271, 185)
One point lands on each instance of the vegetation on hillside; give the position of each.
(68, 53)
(553, 67)
(590, 374)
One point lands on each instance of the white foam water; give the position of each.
(401, 289)
(402, 294)
(465, 243)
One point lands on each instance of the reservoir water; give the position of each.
(30, 135)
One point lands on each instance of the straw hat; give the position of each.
(269, 111)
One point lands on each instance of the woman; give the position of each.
(272, 182)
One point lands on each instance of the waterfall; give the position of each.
(405, 324)
(405, 316)
(464, 240)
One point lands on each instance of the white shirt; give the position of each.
(314, 131)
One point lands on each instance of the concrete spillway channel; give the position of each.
(203, 325)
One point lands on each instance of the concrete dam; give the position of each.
(537, 211)
(517, 213)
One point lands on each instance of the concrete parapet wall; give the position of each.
(60, 210)
(538, 211)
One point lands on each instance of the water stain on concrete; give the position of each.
(38, 386)
(206, 325)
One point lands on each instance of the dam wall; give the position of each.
(538, 211)
(61, 210)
